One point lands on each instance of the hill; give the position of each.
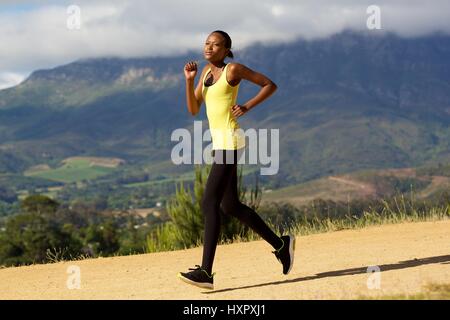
(426, 184)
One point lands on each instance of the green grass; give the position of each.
(188, 176)
(388, 215)
(73, 171)
(153, 182)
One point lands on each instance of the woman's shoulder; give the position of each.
(234, 72)
(235, 65)
(236, 68)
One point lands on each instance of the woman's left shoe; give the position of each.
(198, 277)
(286, 253)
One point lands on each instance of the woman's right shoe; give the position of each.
(198, 277)
(286, 253)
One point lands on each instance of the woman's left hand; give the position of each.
(238, 110)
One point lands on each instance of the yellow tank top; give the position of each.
(219, 98)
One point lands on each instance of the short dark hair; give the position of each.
(227, 42)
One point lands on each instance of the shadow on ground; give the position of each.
(347, 272)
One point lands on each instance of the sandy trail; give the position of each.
(327, 266)
(366, 188)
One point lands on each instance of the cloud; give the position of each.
(10, 79)
(36, 36)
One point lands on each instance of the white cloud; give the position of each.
(10, 79)
(36, 36)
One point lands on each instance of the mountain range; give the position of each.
(354, 100)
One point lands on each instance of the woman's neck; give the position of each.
(217, 65)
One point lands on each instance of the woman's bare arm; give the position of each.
(268, 87)
(194, 98)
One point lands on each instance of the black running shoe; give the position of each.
(286, 253)
(198, 277)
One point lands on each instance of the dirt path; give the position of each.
(437, 182)
(366, 188)
(328, 266)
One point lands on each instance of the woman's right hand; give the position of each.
(190, 70)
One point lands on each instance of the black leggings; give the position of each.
(221, 188)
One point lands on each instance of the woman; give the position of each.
(218, 88)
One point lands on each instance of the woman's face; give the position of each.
(215, 47)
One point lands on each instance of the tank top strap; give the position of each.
(224, 74)
(206, 73)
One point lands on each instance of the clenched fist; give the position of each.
(190, 70)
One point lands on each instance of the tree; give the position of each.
(29, 237)
(39, 204)
(7, 195)
(103, 238)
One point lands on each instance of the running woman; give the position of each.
(218, 88)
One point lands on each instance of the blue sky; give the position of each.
(35, 34)
(19, 7)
